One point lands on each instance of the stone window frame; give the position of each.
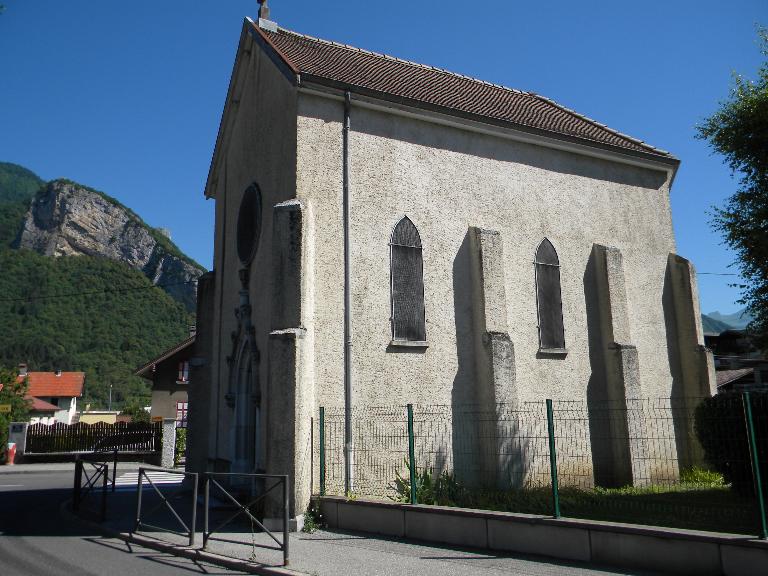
(251, 208)
(403, 342)
(549, 350)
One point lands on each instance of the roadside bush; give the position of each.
(181, 445)
(442, 490)
(720, 425)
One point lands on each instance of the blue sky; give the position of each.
(126, 96)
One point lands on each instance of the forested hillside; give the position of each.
(80, 312)
(17, 188)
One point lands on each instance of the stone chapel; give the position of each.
(389, 233)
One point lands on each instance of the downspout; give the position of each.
(348, 453)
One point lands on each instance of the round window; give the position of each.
(249, 224)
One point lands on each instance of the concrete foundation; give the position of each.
(626, 545)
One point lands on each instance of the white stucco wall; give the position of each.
(258, 146)
(447, 179)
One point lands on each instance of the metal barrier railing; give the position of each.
(281, 480)
(93, 472)
(189, 530)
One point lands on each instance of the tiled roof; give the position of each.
(145, 370)
(41, 405)
(67, 384)
(321, 60)
(728, 376)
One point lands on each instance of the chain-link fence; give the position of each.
(685, 462)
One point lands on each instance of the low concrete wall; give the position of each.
(626, 545)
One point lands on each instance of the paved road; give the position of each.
(35, 541)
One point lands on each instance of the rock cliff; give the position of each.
(67, 219)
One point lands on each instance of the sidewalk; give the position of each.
(56, 467)
(323, 553)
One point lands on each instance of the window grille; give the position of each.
(548, 298)
(181, 414)
(407, 283)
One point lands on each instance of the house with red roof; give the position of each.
(389, 232)
(53, 395)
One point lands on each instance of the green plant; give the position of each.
(721, 429)
(12, 393)
(181, 445)
(738, 130)
(701, 477)
(313, 518)
(442, 490)
(135, 410)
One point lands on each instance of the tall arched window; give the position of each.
(407, 283)
(548, 299)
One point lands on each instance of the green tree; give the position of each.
(739, 131)
(135, 410)
(12, 393)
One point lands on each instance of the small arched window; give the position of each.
(407, 283)
(548, 298)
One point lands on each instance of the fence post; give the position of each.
(206, 504)
(322, 451)
(193, 524)
(755, 465)
(114, 472)
(137, 525)
(286, 530)
(104, 482)
(78, 481)
(411, 455)
(553, 458)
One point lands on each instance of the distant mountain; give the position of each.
(18, 183)
(712, 326)
(69, 219)
(17, 188)
(78, 285)
(737, 320)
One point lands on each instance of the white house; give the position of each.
(53, 394)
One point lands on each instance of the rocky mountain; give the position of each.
(80, 288)
(737, 320)
(69, 219)
(712, 326)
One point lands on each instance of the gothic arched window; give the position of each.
(407, 283)
(548, 299)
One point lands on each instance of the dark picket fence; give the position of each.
(72, 438)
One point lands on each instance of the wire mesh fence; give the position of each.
(685, 462)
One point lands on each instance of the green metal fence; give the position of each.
(690, 463)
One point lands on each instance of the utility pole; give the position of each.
(110, 397)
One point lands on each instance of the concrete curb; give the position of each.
(631, 546)
(41, 469)
(12, 471)
(181, 551)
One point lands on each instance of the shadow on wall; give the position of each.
(490, 443)
(597, 387)
(611, 464)
(464, 443)
(455, 140)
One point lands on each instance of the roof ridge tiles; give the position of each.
(604, 126)
(404, 61)
(351, 65)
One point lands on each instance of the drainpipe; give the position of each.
(348, 453)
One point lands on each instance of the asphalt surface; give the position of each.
(35, 540)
